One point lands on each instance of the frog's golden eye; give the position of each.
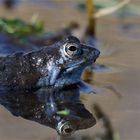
(71, 49)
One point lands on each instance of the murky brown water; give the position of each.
(120, 50)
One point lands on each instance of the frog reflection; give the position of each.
(60, 109)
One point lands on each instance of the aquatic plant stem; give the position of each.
(91, 20)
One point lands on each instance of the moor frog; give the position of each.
(58, 65)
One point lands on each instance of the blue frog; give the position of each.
(57, 65)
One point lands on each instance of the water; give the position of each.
(124, 77)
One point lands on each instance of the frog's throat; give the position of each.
(55, 72)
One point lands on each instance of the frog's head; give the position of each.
(68, 60)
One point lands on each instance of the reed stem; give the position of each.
(91, 20)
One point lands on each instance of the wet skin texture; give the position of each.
(57, 65)
(43, 106)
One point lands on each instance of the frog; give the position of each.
(57, 65)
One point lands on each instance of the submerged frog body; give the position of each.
(57, 65)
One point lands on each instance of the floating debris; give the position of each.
(65, 112)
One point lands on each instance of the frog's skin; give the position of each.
(57, 65)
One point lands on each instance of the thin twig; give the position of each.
(110, 10)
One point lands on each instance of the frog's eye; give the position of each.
(72, 49)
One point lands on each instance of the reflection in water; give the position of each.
(108, 132)
(60, 109)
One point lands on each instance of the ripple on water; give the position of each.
(102, 68)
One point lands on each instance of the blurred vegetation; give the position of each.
(90, 30)
(20, 29)
(130, 9)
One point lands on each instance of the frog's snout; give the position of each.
(65, 128)
(96, 52)
(93, 54)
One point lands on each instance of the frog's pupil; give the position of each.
(72, 48)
